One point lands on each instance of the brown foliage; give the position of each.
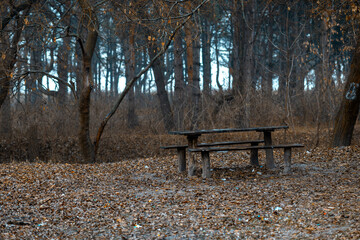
(57, 127)
(148, 199)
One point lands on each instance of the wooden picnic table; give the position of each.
(193, 135)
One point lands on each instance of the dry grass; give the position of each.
(48, 132)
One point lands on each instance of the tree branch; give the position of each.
(131, 83)
(15, 12)
(166, 18)
(79, 40)
(71, 86)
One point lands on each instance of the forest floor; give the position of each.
(147, 198)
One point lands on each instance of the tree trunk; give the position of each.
(113, 68)
(346, 117)
(159, 69)
(78, 70)
(300, 94)
(63, 70)
(243, 55)
(189, 54)
(216, 40)
(6, 129)
(9, 48)
(86, 146)
(193, 70)
(206, 57)
(248, 64)
(130, 73)
(268, 81)
(282, 56)
(8, 53)
(195, 86)
(35, 80)
(236, 55)
(179, 82)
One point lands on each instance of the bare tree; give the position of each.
(129, 49)
(349, 108)
(179, 104)
(192, 38)
(15, 16)
(159, 69)
(87, 49)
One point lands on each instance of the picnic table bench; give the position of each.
(205, 148)
(181, 150)
(206, 157)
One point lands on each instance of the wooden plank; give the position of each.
(229, 143)
(228, 130)
(217, 149)
(213, 144)
(174, 146)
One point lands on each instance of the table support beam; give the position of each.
(269, 152)
(181, 159)
(192, 143)
(287, 160)
(254, 155)
(205, 164)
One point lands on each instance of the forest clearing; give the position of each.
(90, 90)
(146, 198)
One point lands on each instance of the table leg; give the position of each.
(269, 152)
(192, 143)
(254, 156)
(206, 164)
(181, 159)
(287, 160)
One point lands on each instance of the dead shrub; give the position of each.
(48, 131)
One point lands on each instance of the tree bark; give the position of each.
(159, 69)
(193, 70)
(6, 119)
(195, 87)
(63, 70)
(216, 40)
(346, 117)
(86, 146)
(267, 85)
(236, 54)
(9, 50)
(243, 55)
(8, 53)
(179, 82)
(130, 73)
(282, 56)
(206, 57)
(34, 82)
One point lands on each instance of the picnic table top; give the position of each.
(227, 130)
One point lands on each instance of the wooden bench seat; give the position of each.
(206, 158)
(214, 144)
(181, 150)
